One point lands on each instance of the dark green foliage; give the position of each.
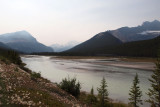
(35, 76)
(145, 48)
(119, 104)
(10, 55)
(22, 66)
(71, 86)
(103, 93)
(91, 98)
(154, 91)
(135, 93)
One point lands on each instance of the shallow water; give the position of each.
(119, 79)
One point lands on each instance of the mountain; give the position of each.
(143, 48)
(60, 48)
(101, 40)
(148, 30)
(24, 42)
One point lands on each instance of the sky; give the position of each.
(61, 21)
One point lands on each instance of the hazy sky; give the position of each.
(60, 21)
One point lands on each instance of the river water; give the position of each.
(90, 72)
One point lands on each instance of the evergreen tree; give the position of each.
(103, 92)
(91, 97)
(135, 93)
(154, 91)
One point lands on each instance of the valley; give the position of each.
(28, 67)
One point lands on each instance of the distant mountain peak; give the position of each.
(61, 48)
(147, 30)
(17, 36)
(155, 21)
(23, 41)
(150, 22)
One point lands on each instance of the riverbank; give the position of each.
(126, 62)
(133, 59)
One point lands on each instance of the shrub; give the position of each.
(71, 86)
(35, 76)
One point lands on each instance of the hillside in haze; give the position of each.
(100, 40)
(24, 42)
(61, 48)
(4, 46)
(144, 48)
(148, 30)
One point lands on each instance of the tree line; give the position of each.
(12, 56)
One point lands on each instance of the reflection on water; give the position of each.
(90, 74)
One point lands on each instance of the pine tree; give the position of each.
(154, 91)
(135, 93)
(103, 92)
(91, 97)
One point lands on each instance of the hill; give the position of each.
(144, 48)
(100, 40)
(24, 42)
(4, 46)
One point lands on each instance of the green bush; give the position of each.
(35, 76)
(71, 86)
(11, 56)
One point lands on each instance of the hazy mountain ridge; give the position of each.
(4, 46)
(127, 34)
(61, 48)
(21, 36)
(98, 41)
(24, 42)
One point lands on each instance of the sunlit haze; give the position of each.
(61, 21)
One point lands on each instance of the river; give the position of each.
(89, 72)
